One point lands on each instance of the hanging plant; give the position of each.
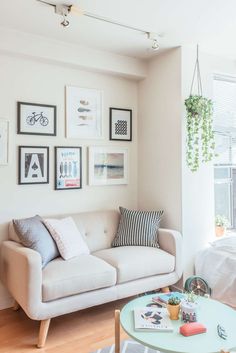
(200, 136)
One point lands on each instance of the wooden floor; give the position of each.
(80, 332)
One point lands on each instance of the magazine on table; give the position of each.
(152, 319)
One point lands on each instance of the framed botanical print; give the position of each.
(4, 142)
(33, 165)
(120, 124)
(36, 119)
(83, 113)
(68, 168)
(108, 166)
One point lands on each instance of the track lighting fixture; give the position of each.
(64, 10)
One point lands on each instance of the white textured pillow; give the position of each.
(69, 241)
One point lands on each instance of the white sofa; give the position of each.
(107, 274)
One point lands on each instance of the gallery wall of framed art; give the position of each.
(107, 165)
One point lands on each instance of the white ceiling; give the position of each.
(211, 23)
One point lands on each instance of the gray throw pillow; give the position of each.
(138, 228)
(34, 235)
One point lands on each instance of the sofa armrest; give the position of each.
(21, 272)
(171, 242)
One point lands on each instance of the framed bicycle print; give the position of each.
(36, 119)
(68, 168)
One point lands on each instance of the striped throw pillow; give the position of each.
(138, 228)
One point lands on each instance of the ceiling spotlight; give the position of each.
(153, 37)
(155, 45)
(65, 22)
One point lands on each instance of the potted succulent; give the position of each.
(173, 307)
(189, 307)
(221, 223)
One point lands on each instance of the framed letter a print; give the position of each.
(83, 113)
(33, 165)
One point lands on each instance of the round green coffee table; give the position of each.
(210, 313)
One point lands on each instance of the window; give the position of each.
(225, 138)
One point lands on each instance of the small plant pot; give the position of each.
(173, 311)
(220, 231)
(189, 311)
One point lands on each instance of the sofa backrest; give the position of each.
(98, 228)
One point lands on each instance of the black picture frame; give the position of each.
(126, 119)
(44, 165)
(37, 120)
(69, 168)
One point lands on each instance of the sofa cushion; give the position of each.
(77, 275)
(33, 234)
(138, 228)
(134, 262)
(69, 241)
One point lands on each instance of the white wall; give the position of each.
(198, 187)
(164, 179)
(22, 44)
(34, 81)
(159, 136)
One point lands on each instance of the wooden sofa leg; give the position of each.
(165, 290)
(117, 331)
(43, 331)
(16, 306)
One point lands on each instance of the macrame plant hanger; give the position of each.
(197, 76)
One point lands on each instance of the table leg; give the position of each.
(117, 331)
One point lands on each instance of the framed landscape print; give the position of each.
(33, 165)
(68, 168)
(108, 166)
(83, 113)
(4, 142)
(36, 119)
(120, 124)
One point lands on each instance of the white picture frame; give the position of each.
(4, 142)
(83, 113)
(108, 165)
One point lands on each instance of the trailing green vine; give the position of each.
(200, 136)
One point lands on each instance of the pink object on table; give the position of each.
(192, 328)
